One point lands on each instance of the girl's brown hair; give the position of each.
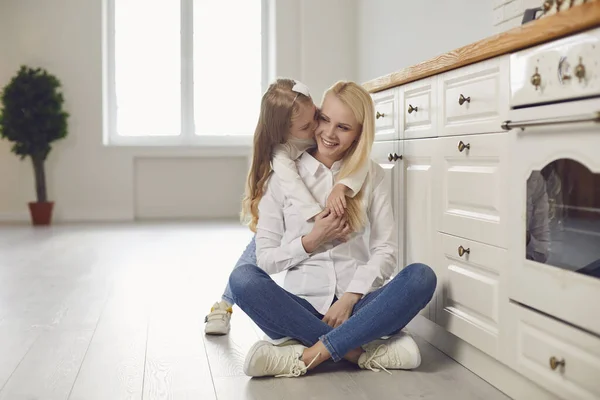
(279, 107)
(357, 157)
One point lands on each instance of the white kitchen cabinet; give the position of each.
(474, 187)
(417, 201)
(474, 99)
(387, 119)
(389, 156)
(419, 107)
(469, 300)
(564, 359)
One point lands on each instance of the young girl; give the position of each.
(285, 130)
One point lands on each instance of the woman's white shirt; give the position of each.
(360, 265)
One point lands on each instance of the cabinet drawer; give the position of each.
(470, 290)
(419, 108)
(386, 118)
(540, 339)
(474, 99)
(474, 187)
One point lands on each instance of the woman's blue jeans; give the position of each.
(380, 313)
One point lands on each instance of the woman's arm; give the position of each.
(383, 242)
(271, 255)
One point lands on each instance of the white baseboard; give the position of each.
(492, 371)
(14, 217)
(94, 217)
(24, 217)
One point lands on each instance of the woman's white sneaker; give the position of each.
(398, 352)
(218, 321)
(266, 359)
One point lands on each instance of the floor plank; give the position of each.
(176, 361)
(49, 369)
(15, 341)
(113, 367)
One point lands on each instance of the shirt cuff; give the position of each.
(358, 286)
(297, 250)
(309, 212)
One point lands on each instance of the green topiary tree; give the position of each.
(32, 117)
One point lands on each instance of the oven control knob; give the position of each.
(580, 71)
(536, 79)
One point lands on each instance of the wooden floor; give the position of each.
(113, 312)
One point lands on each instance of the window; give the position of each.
(184, 72)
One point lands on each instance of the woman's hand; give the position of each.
(341, 310)
(328, 227)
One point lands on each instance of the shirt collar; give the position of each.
(313, 165)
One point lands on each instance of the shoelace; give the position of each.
(296, 370)
(372, 359)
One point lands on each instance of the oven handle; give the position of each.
(508, 125)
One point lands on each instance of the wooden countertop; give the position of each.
(562, 24)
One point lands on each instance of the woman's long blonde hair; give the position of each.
(358, 155)
(279, 107)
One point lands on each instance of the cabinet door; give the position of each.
(387, 155)
(419, 109)
(386, 115)
(470, 297)
(474, 99)
(417, 204)
(474, 185)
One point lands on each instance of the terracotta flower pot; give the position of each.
(41, 213)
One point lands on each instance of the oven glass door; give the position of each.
(554, 222)
(562, 227)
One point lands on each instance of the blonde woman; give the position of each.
(337, 300)
(285, 130)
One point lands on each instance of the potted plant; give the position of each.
(32, 117)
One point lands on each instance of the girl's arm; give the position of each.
(354, 182)
(273, 256)
(348, 186)
(285, 167)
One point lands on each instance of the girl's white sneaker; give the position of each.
(218, 321)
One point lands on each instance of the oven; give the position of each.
(554, 174)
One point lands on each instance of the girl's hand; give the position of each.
(341, 310)
(337, 199)
(328, 227)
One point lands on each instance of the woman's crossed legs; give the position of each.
(383, 312)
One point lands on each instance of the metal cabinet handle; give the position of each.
(580, 70)
(379, 115)
(555, 363)
(536, 79)
(411, 109)
(462, 99)
(462, 146)
(394, 157)
(462, 251)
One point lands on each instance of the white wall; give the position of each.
(89, 181)
(394, 34)
(508, 14)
